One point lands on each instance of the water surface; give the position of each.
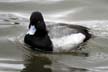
(14, 15)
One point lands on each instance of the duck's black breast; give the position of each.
(41, 43)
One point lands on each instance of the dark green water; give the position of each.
(13, 25)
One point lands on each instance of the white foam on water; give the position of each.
(12, 66)
(9, 59)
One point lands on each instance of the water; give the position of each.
(14, 15)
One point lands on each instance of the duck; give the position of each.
(59, 37)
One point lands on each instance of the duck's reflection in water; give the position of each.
(48, 63)
(43, 62)
(36, 63)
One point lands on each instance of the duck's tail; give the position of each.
(87, 34)
(82, 29)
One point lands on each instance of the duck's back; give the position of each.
(58, 31)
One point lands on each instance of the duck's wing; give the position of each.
(81, 29)
(74, 26)
(58, 30)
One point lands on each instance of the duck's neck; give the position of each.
(31, 30)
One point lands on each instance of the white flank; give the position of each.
(66, 43)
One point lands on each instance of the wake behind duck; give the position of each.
(54, 38)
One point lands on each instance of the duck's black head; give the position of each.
(37, 20)
(36, 17)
